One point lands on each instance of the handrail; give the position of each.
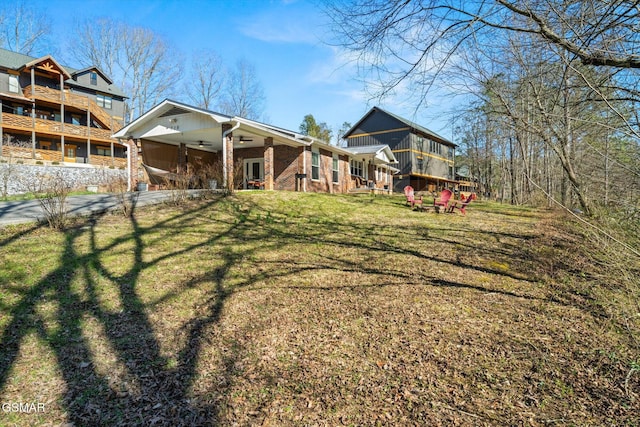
(26, 153)
(73, 100)
(17, 121)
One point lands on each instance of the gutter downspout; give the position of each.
(129, 189)
(224, 153)
(304, 168)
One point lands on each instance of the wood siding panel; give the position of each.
(395, 140)
(378, 121)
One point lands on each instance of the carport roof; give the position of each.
(163, 132)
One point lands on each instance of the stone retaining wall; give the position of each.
(18, 179)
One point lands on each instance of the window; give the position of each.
(104, 151)
(75, 119)
(94, 78)
(434, 147)
(14, 85)
(336, 169)
(103, 101)
(357, 168)
(315, 164)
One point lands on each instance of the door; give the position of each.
(254, 173)
(70, 153)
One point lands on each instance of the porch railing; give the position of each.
(9, 151)
(54, 127)
(20, 153)
(73, 100)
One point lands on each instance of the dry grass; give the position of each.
(298, 309)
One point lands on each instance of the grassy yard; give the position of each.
(269, 308)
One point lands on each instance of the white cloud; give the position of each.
(289, 22)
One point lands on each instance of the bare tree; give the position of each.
(548, 70)
(244, 95)
(205, 79)
(138, 60)
(152, 69)
(100, 44)
(597, 32)
(23, 28)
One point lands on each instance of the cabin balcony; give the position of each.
(54, 128)
(72, 100)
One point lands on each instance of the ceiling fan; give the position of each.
(243, 139)
(202, 144)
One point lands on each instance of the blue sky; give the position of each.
(284, 39)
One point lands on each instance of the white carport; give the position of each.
(191, 128)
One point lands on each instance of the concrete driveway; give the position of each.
(18, 212)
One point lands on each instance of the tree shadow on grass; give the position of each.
(156, 390)
(152, 388)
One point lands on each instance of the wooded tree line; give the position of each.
(139, 61)
(147, 68)
(553, 89)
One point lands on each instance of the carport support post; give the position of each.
(227, 158)
(268, 163)
(182, 157)
(132, 157)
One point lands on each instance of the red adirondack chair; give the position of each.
(411, 199)
(463, 205)
(443, 200)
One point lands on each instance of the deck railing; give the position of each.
(108, 161)
(71, 99)
(55, 128)
(26, 153)
(11, 152)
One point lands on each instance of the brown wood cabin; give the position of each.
(55, 114)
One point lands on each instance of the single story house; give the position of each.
(174, 137)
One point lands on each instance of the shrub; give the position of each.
(52, 191)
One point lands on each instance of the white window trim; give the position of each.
(335, 168)
(355, 166)
(315, 150)
(14, 84)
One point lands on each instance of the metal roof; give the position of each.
(409, 123)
